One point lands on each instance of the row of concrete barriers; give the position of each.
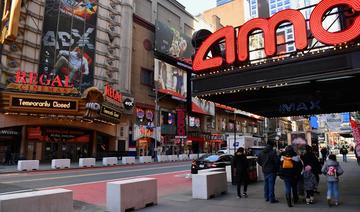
(130, 194)
(28, 165)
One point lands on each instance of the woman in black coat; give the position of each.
(241, 165)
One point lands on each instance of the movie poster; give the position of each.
(68, 41)
(202, 106)
(171, 42)
(170, 80)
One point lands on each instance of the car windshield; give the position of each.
(212, 158)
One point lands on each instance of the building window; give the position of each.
(147, 77)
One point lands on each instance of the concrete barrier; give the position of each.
(173, 158)
(163, 158)
(145, 159)
(208, 185)
(110, 161)
(220, 169)
(60, 163)
(131, 194)
(28, 165)
(54, 200)
(86, 162)
(228, 174)
(128, 160)
(183, 157)
(193, 156)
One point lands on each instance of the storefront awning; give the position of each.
(196, 138)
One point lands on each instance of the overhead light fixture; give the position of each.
(334, 78)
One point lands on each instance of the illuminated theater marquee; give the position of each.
(240, 48)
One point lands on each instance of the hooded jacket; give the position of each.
(309, 181)
(241, 164)
(329, 164)
(268, 160)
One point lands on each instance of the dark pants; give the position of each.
(241, 180)
(269, 186)
(309, 193)
(291, 186)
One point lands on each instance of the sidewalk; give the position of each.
(349, 197)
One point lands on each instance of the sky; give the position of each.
(197, 6)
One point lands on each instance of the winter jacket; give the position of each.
(241, 164)
(309, 181)
(344, 151)
(295, 171)
(328, 168)
(268, 160)
(309, 159)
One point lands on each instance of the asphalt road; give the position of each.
(18, 182)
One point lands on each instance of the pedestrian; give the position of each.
(332, 170)
(310, 159)
(241, 166)
(269, 162)
(290, 172)
(309, 184)
(344, 152)
(324, 153)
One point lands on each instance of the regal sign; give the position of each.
(112, 93)
(237, 48)
(32, 81)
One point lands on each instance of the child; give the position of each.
(332, 170)
(309, 184)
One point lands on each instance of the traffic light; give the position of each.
(10, 20)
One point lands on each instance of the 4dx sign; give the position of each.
(239, 49)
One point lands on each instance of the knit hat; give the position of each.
(307, 168)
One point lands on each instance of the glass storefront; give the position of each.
(10, 139)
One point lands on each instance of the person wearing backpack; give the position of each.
(310, 159)
(332, 170)
(269, 162)
(290, 170)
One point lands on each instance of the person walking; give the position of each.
(290, 171)
(241, 166)
(324, 153)
(269, 162)
(344, 152)
(332, 170)
(309, 184)
(310, 159)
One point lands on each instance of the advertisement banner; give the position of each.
(202, 106)
(68, 41)
(170, 80)
(171, 42)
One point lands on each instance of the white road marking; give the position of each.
(87, 175)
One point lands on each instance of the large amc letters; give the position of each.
(269, 26)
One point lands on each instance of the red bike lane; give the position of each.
(95, 193)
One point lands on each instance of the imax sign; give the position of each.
(300, 107)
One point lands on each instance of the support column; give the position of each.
(94, 143)
(23, 142)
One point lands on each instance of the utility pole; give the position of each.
(234, 131)
(156, 120)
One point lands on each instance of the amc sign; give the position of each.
(237, 47)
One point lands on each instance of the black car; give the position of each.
(210, 161)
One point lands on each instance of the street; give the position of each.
(38, 180)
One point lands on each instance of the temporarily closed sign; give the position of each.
(36, 103)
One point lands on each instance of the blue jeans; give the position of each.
(291, 185)
(333, 190)
(345, 158)
(269, 186)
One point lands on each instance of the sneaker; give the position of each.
(245, 195)
(329, 202)
(336, 203)
(267, 200)
(238, 197)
